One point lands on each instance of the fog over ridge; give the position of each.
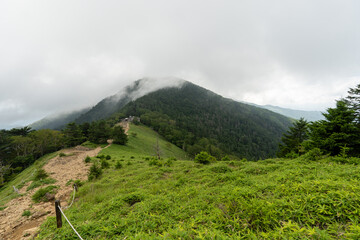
(67, 55)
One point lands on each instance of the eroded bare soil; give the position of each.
(63, 169)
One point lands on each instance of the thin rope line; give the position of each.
(70, 223)
(71, 201)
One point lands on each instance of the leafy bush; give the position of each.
(133, 198)
(155, 162)
(104, 164)
(78, 182)
(172, 158)
(225, 158)
(26, 213)
(40, 174)
(100, 156)
(62, 155)
(95, 172)
(119, 135)
(221, 169)
(118, 165)
(39, 195)
(313, 155)
(204, 158)
(108, 157)
(87, 159)
(168, 162)
(292, 155)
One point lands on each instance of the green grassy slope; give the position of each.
(7, 192)
(143, 144)
(270, 199)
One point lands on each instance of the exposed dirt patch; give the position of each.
(63, 169)
(125, 125)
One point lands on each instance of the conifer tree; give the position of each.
(73, 135)
(353, 101)
(337, 131)
(119, 136)
(293, 138)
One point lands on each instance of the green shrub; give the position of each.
(100, 156)
(104, 164)
(221, 169)
(26, 213)
(132, 157)
(313, 155)
(40, 174)
(40, 182)
(225, 158)
(155, 162)
(204, 158)
(39, 195)
(292, 155)
(168, 162)
(108, 157)
(62, 155)
(133, 198)
(78, 182)
(95, 172)
(87, 159)
(118, 165)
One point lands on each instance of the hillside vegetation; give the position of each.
(196, 119)
(147, 198)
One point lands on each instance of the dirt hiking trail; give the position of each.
(63, 169)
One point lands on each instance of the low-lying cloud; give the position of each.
(66, 55)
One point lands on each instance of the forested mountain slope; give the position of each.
(115, 103)
(197, 119)
(58, 121)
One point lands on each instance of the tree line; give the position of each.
(337, 135)
(20, 147)
(196, 120)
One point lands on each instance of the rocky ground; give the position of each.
(63, 169)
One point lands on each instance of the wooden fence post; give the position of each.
(58, 214)
(76, 187)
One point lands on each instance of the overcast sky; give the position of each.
(67, 54)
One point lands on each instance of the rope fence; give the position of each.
(59, 211)
(17, 190)
(72, 198)
(58, 207)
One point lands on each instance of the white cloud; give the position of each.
(62, 55)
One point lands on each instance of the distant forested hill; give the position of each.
(296, 114)
(58, 121)
(196, 119)
(108, 106)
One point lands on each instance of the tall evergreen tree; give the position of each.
(294, 137)
(119, 135)
(99, 132)
(353, 101)
(73, 135)
(337, 130)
